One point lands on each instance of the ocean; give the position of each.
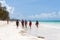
(55, 23)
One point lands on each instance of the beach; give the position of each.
(51, 31)
(11, 32)
(46, 30)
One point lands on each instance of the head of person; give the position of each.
(36, 20)
(16, 20)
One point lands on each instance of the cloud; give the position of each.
(50, 15)
(9, 8)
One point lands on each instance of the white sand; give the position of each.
(49, 31)
(10, 32)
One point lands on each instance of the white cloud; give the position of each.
(9, 8)
(46, 15)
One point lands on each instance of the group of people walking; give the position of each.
(24, 23)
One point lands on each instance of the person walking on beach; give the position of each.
(36, 23)
(7, 20)
(17, 23)
(22, 22)
(30, 23)
(26, 23)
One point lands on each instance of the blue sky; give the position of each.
(35, 9)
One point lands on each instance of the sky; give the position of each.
(33, 9)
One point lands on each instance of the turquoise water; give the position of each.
(51, 22)
(57, 22)
(47, 20)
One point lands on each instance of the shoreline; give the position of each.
(44, 30)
